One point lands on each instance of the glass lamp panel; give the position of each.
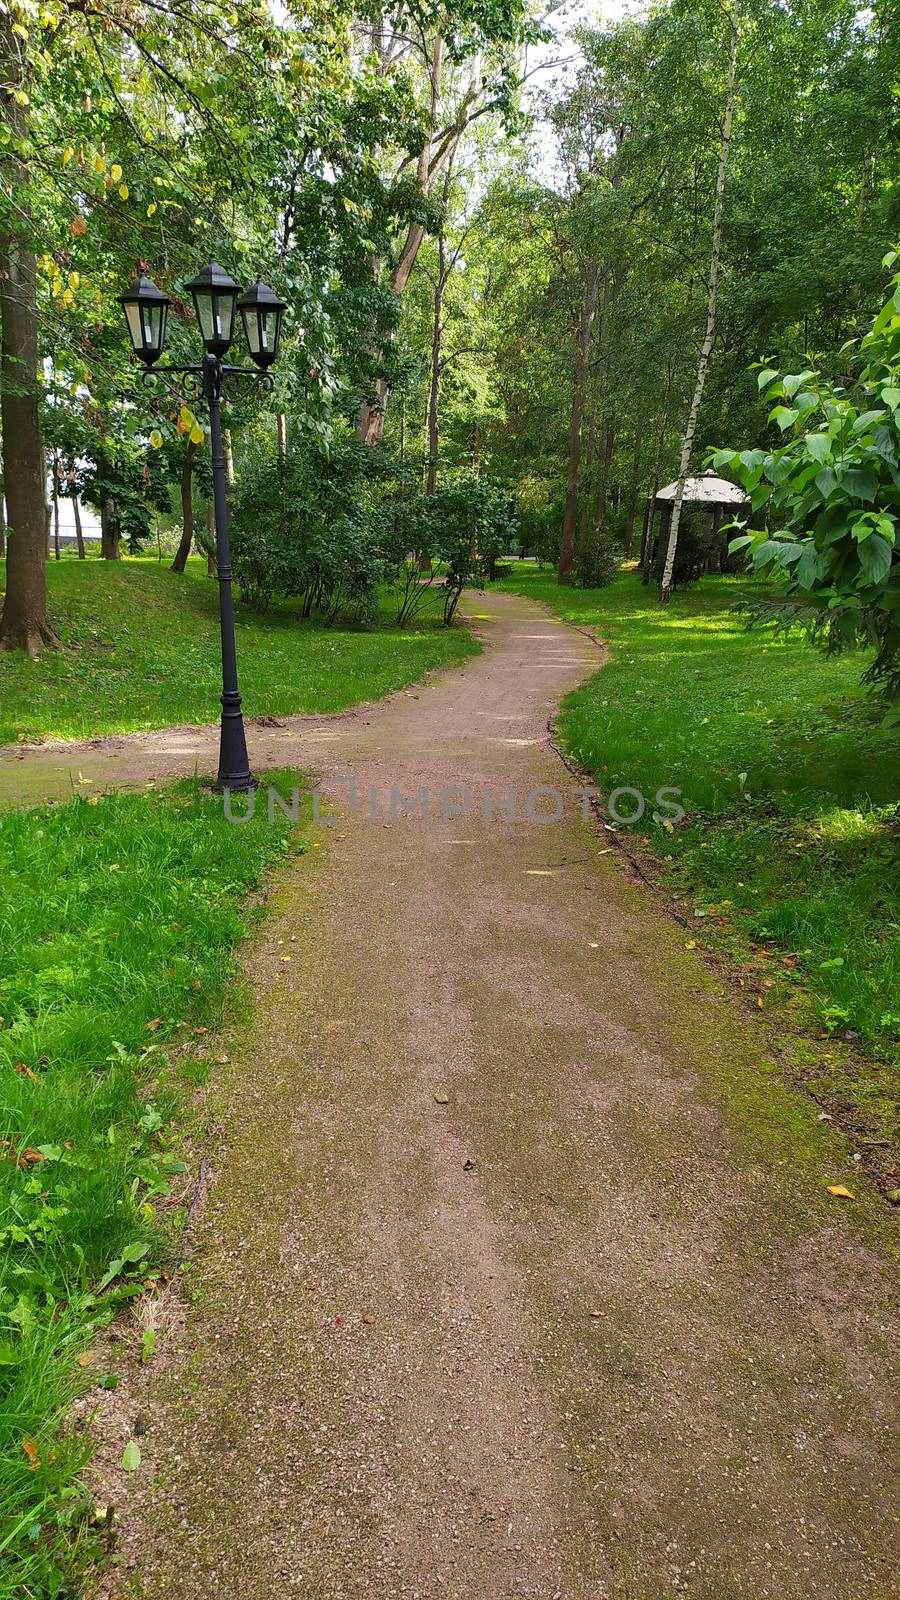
(204, 304)
(268, 330)
(225, 317)
(252, 331)
(135, 328)
(153, 327)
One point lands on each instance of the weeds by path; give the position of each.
(118, 919)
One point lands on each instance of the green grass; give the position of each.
(790, 846)
(117, 925)
(142, 651)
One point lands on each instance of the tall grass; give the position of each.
(118, 919)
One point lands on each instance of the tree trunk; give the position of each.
(76, 513)
(582, 350)
(228, 453)
(712, 288)
(633, 493)
(109, 533)
(187, 509)
(2, 525)
(647, 541)
(370, 421)
(434, 392)
(607, 447)
(56, 550)
(24, 624)
(281, 425)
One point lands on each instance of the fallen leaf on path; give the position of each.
(86, 1359)
(841, 1191)
(368, 1319)
(442, 1099)
(131, 1456)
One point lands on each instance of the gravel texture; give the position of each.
(509, 1282)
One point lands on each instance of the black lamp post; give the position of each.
(215, 297)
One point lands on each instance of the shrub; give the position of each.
(308, 527)
(596, 564)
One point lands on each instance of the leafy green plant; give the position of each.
(307, 527)
(832, 499)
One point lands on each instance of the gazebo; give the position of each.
(720, 501)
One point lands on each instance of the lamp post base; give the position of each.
(235, 785)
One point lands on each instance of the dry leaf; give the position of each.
(841, 1191)
(442, 1099)
(86, 1359)
(368, 1319)
(31, 1450)
(153, 1024)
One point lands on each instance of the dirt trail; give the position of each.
(591, 1329)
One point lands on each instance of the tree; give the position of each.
(832, 498)
(463, 60)
(687, 443)
(24, 623)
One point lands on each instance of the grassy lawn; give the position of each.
(117, 926)
(788, 858)
(142, 651)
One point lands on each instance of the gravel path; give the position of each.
(509, 1281)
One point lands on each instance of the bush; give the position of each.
(449, 541)
(308, 527)
(596, 565)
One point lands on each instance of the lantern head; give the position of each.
(146, 309)
(215, 296)
(261, 312)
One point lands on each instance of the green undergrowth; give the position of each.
(141, 650)
(118, 921)
(788, 860)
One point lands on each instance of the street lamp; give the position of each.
(215, 296)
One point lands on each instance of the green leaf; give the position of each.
(785, 416)
(875, 556)
(866, 420)
(860, 482)
(795, 382)
(131, 1456)
(766, 377)
(818, 445)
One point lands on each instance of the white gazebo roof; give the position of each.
(708, 488)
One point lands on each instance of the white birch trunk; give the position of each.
(687, 443)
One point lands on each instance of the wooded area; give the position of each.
(549, 265)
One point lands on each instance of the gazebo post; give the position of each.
(714, 564)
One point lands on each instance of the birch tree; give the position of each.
(687, 443)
